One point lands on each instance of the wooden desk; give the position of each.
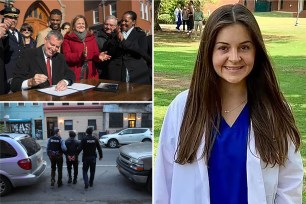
(126, 92)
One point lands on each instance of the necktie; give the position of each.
(13, 33)
(49, 71)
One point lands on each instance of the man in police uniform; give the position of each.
(55, 149)
(89, 144)
(4, 26)
(72, 156)
(14, 42)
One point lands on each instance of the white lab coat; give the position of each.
(181, 184)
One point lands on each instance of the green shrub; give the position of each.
(165, 19)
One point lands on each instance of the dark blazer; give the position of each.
(32, 62)
(13, 52)
(131, 54)
(2, 70)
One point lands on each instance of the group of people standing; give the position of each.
(191, 16)
(121, 53)
(71, 148)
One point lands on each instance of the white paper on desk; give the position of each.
(51, 91)
(80, 87)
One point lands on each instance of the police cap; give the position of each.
(10, 12)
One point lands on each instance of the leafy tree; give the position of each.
(168, 6)
(156, 13)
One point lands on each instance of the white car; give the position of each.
(127, 136)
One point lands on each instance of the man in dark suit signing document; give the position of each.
(43, 66)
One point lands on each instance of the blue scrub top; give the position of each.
(227, 163)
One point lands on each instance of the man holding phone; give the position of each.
(4, 27)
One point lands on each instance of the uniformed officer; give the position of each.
(14, 42)
(4, 26)
(89, 144)
(72, 156)
(55, 149)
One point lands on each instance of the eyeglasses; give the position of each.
(26, 30)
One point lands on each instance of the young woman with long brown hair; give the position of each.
(231, 138)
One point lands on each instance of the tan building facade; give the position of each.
(103, 118)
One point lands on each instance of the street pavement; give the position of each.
(110, 187)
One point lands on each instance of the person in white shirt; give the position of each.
(178, 17)
(231, 138)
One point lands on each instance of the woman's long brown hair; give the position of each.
(272, 119)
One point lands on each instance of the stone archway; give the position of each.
(37, 16)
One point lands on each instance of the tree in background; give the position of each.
(163, 10)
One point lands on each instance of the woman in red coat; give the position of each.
(80, 49)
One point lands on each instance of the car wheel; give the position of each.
(146, 140)
(5, 186)
(149, 184)
(112, 143)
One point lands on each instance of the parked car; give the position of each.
(21, 161)
(135, 163)
(127, 136)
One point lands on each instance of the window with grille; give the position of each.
(95, 16)
(146, 120)
(68, 125)
(92, 123)
(116, 120)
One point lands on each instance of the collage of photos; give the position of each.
(152, 102)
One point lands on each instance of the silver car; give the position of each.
(21, 161)
(135, 163)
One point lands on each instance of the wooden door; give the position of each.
(37, 17)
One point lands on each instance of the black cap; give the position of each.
(72, 134)
(56, 131)
(89, 130)
(10, 11)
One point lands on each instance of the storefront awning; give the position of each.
(26, 120)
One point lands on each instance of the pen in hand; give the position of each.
(61, 86)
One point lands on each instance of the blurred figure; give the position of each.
(190, 16)
(65, 28)
(27, 31)
(129, 52)
(185, 13)
(198, 18)
(178, 17)
(80, 49)
(54, 22)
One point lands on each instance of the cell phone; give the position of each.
(2, 21)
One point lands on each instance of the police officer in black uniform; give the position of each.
(55, 149)
(89, 144)
(72, 156)
(13, 41)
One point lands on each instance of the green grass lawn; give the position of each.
(175, 56)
